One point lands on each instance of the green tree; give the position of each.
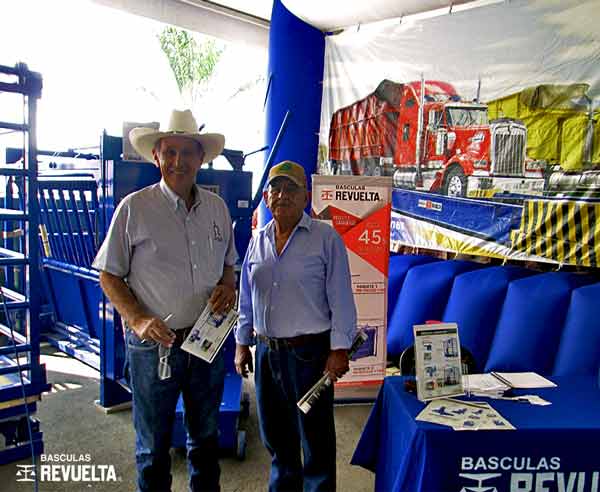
(192, 63)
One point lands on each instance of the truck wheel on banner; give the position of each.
(455, 182)
(372, 167)
(335, 166)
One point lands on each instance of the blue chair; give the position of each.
(579, 348)
(475, 303)
(423, 297)
(399, 265)
(531, 322)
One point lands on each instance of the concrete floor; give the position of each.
(73, 425)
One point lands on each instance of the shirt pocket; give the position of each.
(309, 270)
(212, 239)
(260, 272)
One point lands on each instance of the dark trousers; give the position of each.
(282, 377)
(154, 406)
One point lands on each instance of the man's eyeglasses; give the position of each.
(289, 188)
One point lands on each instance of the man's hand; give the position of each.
(149, 328)
(222, 298)
(337, 364)
(243, 360)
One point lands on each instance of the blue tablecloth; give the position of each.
(555, 447)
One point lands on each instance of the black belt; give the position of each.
(181, 335)
(290, 342)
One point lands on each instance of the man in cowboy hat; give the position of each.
(170, 250)
(296, 303)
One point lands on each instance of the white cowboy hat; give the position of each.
(181, 124)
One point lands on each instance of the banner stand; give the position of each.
(359, 208)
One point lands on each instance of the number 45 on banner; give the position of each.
(371, 236)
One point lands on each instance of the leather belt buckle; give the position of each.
(273, 343)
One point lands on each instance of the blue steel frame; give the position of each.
(21, 291)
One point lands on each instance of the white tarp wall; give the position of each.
(509, 46)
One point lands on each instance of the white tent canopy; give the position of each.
(201, 16)
(334, 14)
(248, 20)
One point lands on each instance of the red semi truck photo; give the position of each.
(432, 140)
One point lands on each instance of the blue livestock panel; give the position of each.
(21, 373)
(475, 303)
(579, 349)
(531, 322)
(423, 297)
(68, 210)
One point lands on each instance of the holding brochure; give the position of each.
(313, 394)
(209, 334)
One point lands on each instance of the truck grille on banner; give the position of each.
(508, 149)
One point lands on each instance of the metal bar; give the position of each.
(10, 349)
(20, 339)
(276, 143)
(80, 232)
(54, 233)
(71, 269)
(16, 154)
(18, 127)
(69, 255)
(44, 220)
(15, 88)
(56, 244)
(9, 70)
(9, 171)
(15, 368)
(71, 234)
(87, 217)
(97, 218)
(88, 183)
(11, 214)
(10, 257)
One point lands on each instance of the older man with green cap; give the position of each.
(296, 304)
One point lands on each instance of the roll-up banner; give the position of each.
(358, 208)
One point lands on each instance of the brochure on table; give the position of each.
(209, 334)
(462, 415)
(437, 361)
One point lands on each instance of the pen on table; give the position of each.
(165, 319)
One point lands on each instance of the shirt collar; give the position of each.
(175, 200)
(305, 222)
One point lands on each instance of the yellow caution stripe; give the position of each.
(565, 231)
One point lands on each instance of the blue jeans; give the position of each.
(282, 377)
(154, 405)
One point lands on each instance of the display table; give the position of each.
(555, 447)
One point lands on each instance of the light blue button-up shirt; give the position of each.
(306, 289)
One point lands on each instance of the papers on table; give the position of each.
(525, 380)
(462, 415)
(495, 384)
(484, 385)
(532, 399)
(209, 334)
